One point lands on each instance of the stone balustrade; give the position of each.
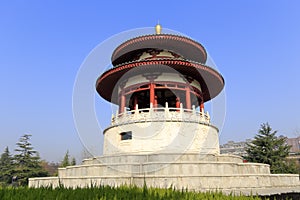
(160, 114)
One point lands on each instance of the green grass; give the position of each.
(110, 193)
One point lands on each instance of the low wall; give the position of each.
(198, 183)
(166, 157)
(192, 171)
(165, 168)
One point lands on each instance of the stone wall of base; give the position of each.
(165, 169)
(197, 183)
(191, 171)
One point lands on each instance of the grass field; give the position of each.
(110, 193)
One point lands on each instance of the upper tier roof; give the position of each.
(186, 47)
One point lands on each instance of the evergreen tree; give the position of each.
(66, 161)
(27, 161)
(6, 167)
(269, 149)
(73, 161)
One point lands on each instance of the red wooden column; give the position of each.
(155, 102)
(122, 102)
(177, 102)
(152, 94)
(202, 107)
(122, 98)
(188, 97)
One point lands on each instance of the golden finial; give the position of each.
(158, 28)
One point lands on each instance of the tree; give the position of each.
(50, 167)
(269, 149)
(6, 167)
(66, 161)
(73, 161)
(27, 161)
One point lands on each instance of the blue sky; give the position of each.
(255, 44)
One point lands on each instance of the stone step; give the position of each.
(171, 157)
(165, 168)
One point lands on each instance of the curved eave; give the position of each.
(211, 81)
(186, 47)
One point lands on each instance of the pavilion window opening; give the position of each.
(160, 93)
(126, 135)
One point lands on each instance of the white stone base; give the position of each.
(192, 171)
(159, 130)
